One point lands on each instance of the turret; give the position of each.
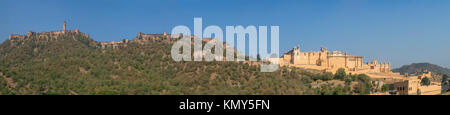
(139, 34)
(64, 28)
(297, 50)
(375, 62)
(29, 33)
(323, 49)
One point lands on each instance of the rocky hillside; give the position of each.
(75, 64)
(419, 67)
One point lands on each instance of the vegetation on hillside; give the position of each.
(74, 64)
(415, 68)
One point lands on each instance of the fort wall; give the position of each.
(45, 34)
(152, 36)
(331, 61)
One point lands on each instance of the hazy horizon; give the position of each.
(402, 31)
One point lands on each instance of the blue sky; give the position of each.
(399, 31)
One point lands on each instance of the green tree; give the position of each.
(327, 76)
(340, 74)
(258, 57)
(385, 87)
(353, 77)
(363, 78)
(425, 81)
(322, 77)
(444, 78)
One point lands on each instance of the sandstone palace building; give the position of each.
(331, 61)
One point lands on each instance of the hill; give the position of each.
(419, 67)
(76, 64)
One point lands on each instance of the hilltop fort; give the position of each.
(47, 34)
(141, 36)
(64, 31)
(322, 60)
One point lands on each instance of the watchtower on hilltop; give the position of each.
(64, 28)
(46, 34)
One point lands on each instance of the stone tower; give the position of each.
(295, 58)
(29, 33)
(64, 28)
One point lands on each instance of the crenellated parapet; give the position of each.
(45, 34)
(113, 43)
(376, 66)
(76, 31)
(331, 61)
(152, 36)
(11, 36)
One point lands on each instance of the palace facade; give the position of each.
(331, 61)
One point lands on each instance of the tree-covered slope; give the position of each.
(74, 64)
(419, 67)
